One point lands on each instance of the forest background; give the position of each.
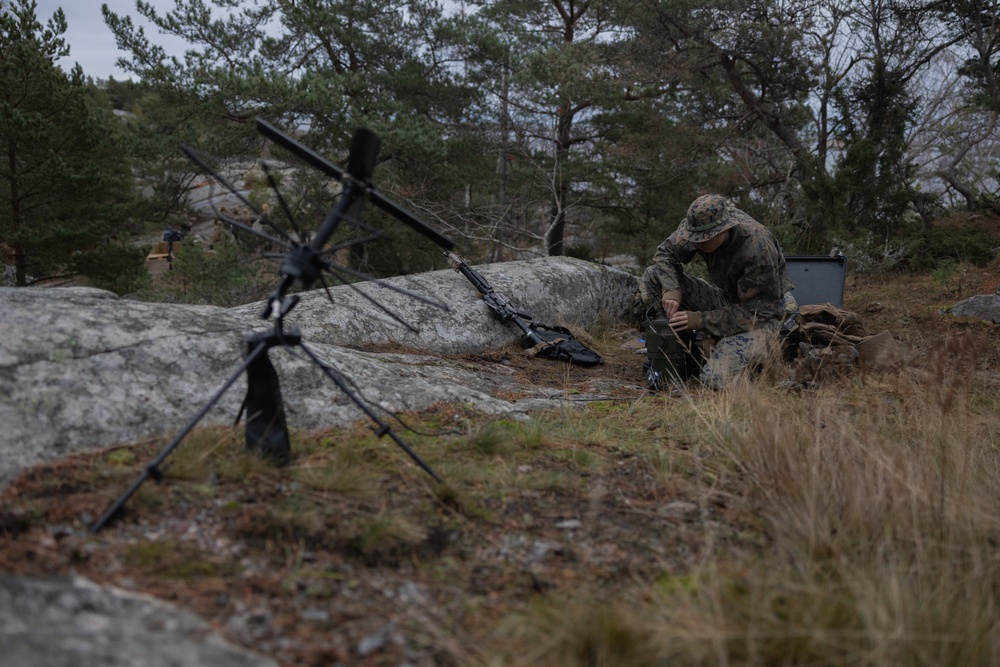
(518, 127)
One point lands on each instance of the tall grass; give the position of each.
(876, 503)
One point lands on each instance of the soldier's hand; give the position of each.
(680, 321)
(670, 305)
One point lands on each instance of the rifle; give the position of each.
(500, 305)
(552, 342)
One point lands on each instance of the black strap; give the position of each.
(266, 429)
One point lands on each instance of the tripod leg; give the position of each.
(152, 469)
(383, 427)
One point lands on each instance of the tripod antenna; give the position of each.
(273, 184)
(367, 298)
(304, 265)
(319, 162)
(266, 428)
(256, 232)
(152, 469)
(337, 270)
(383, 428)
(192, 155)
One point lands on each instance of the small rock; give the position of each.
(413, 593)
(315, 615)
(680, 509)
(372, 642)
(540, 550)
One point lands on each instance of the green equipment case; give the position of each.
(670, 356)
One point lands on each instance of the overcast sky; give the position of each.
(90, 41)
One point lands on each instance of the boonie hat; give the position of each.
(707, 216)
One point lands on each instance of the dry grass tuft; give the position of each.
(877, 498)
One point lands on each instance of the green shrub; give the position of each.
(945, 270)
(118, 266)
(224, 276)
(969, 244)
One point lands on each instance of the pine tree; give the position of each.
(64, 185)
(320, 67)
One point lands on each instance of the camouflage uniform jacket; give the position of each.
(749, 268)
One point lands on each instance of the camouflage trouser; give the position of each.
(725, 357)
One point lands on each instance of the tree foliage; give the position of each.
(526, 127)
(219, 277)
(65, 188)
(324, 67)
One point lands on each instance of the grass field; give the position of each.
(852, 524)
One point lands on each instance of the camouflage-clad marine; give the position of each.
(743, 311)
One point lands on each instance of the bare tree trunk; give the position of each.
(20, 272)
(555, 236)
(556, 232)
